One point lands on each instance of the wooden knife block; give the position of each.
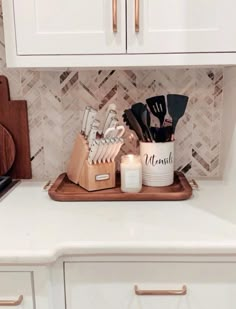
(91, 177)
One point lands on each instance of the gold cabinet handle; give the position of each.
(183, 291)
(12, 302)
(136, 8)
(114, 15)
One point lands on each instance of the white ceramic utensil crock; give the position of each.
(157, 163)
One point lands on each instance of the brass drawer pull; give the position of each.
(136, 15)
(12, 302)
(114, 15)
(183, 291)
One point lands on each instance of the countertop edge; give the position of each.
(49, 257)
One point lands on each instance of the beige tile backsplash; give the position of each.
(57, 98)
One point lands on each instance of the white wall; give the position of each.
(228, 145)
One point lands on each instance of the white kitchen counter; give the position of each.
(34, 229)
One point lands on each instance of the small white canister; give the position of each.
(157, 163)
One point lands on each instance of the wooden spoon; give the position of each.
(7, 151)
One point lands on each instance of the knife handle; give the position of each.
(110, 107)
(92, 152)
(99, 150)
(91, 117)
(109, 150)
(108, 120)
(84, 121)
(92, 135)
(117, 149)
(112, 150)
(103, 152)
(96, 123)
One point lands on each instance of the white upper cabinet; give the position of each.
(59, 27)
(119, 33)
(181, 26)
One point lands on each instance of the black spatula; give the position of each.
(176, 107)
(157, 106)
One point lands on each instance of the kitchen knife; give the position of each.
(114, 123)
(91, 117)
(92, 135)
(112, 150)
(99, 150)
(109, 118)
(104, 150)
(84, 121)
(109, 132)
(111, 106)
(110, 147)
(117, 149)
(96, 123)
(93, 151)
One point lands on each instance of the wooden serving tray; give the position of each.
(64, 190)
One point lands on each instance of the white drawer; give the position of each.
(12, 286)
(106, 285)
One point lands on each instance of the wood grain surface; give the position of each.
(79, 171)
(7, 151)
(14, 117)
(64, 190)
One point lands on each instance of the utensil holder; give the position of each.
(157, 163)
(91, 177)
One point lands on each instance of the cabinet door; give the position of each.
(181, 26)
(107, 285)
(70, 27)
(16, 290)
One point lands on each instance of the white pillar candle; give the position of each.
(131, 173)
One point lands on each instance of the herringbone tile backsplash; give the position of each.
(57, 98)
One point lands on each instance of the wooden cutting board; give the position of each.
(7, 151)
(14, 117)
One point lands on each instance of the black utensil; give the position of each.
(133, 124)
(167, 133)
(154, 131)
(143, 117)
(157, 106)
(176, 107)
(162, 135)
